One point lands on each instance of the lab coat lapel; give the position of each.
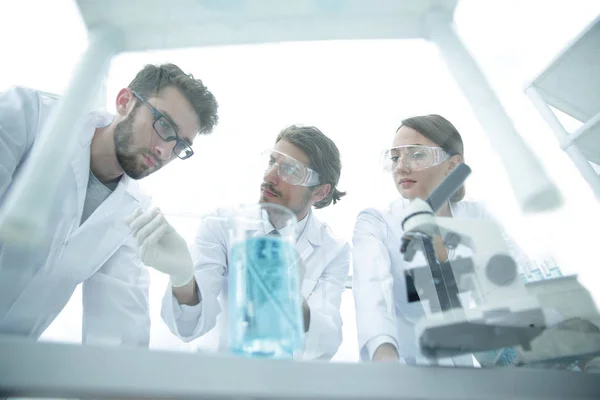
(105, 230)
(80, 165)
(80, 160)
(127, 193)
(306, 246)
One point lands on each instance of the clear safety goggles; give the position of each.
(289, 169)
(413, 157)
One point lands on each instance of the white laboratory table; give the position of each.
(30, 369)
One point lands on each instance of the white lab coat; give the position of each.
(383, 314)
(327, 260)
(36, 285)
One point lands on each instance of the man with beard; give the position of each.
(303, 170)
(157, 119)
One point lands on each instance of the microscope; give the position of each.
(504, 314)
(551, 323)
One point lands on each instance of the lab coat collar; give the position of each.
(312, 230)
(453, 208)
(80, 161)
(309, 239)
(398, 207)
(94, 119)
(266, 227)
(300, 227)
(133, 189)
(397, 210)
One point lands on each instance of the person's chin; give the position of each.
(408, 194)
(271, 200)
(134, 170)
(265, 199)
(136, 175)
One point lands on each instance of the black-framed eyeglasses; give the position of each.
(166, 131)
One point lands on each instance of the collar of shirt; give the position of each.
(300, 226)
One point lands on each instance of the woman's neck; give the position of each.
(444, 211)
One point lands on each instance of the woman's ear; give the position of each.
(454, 161)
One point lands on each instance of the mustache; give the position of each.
(270, 188)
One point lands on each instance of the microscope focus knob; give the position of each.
(501, 269)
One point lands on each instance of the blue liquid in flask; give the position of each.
(265, 311)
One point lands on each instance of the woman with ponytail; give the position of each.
(425, 149)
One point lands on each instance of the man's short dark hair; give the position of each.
(323, 156)
(153, 78)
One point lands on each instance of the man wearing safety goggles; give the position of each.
(302, 171)
(300, 181)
